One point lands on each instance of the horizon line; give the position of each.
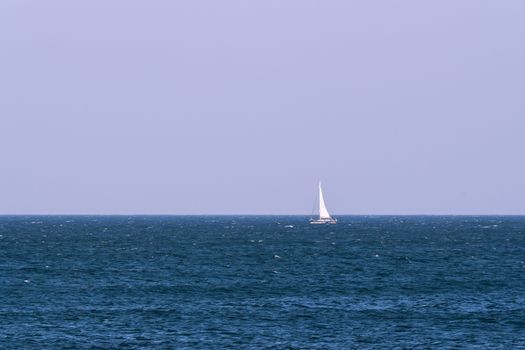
(250, 214)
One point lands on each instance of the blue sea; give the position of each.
(262, 282)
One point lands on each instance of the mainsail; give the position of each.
(323, 212)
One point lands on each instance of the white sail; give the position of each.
(323, 212)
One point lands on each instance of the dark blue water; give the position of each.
(252, 282)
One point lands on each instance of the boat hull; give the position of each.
(323, 221)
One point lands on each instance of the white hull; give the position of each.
(323, 221)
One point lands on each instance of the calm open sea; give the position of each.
(261, 282)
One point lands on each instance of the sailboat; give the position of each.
(324, 216)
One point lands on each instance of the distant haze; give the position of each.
(204, 107)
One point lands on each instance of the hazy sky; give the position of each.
(197, 107)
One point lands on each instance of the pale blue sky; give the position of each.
(196, 107)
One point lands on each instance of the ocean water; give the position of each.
(268, 282)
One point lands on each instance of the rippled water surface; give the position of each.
(261, 282)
